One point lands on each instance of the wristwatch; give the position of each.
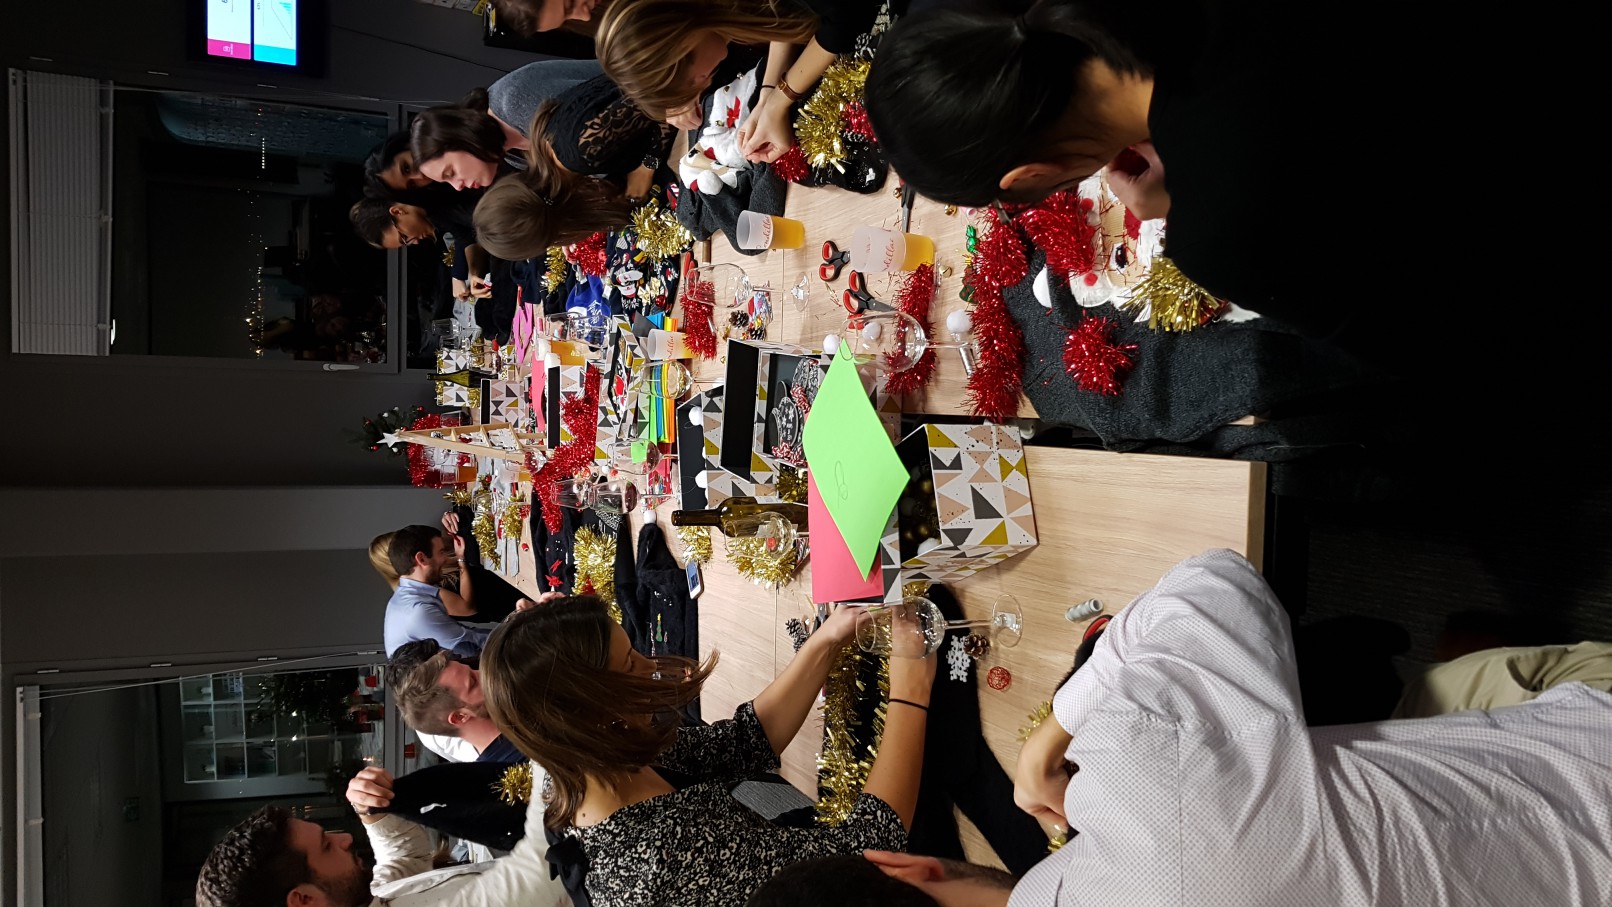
(652, 161)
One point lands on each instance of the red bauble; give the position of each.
(917, 291)
(1093, 360)
(792, 167)
(999, 678)
(1060, 227)
(856, 121)
(589, 255)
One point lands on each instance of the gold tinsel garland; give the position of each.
(485, 529)
(791, 484)
(595, 556)
(819, 129)
(515, 787)
(1177, 304)
(512, 519)
(841, 770)
(760, 566)
(659, 233)
(459, 497)
(555, 274)
(917, 588)
(696, 543)
(1037, 716)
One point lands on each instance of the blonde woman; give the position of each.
(663, 54)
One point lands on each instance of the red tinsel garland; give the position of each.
(999, 262)
(589, 255)
(792, 167)
(579, 413)
(857, 123)
(419, 468)
(699, 298)
(1094, 360)
(916, 293)
(1062, 228)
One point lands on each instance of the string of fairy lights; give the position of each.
(254, 296)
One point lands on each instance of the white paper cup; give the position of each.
(754, 231)
(875, 250)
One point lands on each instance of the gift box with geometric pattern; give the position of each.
(966, 506)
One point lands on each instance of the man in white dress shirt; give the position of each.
(274, 860)
(1197, 782)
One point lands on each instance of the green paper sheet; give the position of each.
(852, 460)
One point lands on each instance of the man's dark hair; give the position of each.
(380, 159)
(959, 96)
(255, 865)
(371, 217)
(843, 881)
(409, 541)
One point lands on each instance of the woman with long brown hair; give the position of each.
(565, 685)
(592, 155)
(663, 54)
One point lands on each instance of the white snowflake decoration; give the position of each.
(957, 660)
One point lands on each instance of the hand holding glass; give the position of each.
(916, 627)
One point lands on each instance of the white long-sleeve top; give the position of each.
(404, 877)
(1199, 783)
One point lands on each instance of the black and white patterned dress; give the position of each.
(700, 847)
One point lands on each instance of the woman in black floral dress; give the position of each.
(565, 685)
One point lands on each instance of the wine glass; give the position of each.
(916, 627)
(720, 286)
(893, 341)
(668, 380)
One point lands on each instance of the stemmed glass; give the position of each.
(893, 341)
(916, 627)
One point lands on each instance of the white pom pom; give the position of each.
(927, 545)
(696, 417)
(831, 344)
(872, 330)
(1043, 292)
(959, 322)
(552, 360)
(702, 478)
(649, 516)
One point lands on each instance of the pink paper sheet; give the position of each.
(835, 577)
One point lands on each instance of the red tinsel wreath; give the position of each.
(792, 167)
(579, 413)
(420, 471)
(1061, 227)
(589, 255)
(999, 262)
(699, 298)
(1094, 360)
(917, 291)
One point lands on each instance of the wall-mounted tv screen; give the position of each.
(262, 31)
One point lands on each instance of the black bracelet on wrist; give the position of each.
(909, 702)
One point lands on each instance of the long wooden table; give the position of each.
(1109, 525)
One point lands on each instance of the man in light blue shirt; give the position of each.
(418, 554)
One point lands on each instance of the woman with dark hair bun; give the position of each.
(564, 684)
(1248, 123)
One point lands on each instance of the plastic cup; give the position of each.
(920, 251)
(763, 231)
